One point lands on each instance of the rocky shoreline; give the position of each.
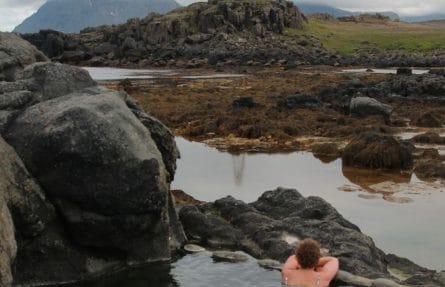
(84, 188)
(214, 34)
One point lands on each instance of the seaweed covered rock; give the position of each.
(378, 151)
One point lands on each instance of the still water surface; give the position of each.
(403, 214)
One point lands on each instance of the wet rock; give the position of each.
(428, 120)
(270, 264)
(208, 229)
(244, 102)
(346, 278)
(299, 100)
(228, 256)
(429, 138)
(271, 226)
(365, 106)
(193, 248)
(15, 54)
(183, 198)
(404, 71)
(381, 282)
(430, 169)
(404, 265)
(377, 151)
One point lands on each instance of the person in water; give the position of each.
(306, 268)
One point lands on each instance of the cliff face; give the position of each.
(73, 15)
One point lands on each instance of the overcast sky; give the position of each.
(13, 12)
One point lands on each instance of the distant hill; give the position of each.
(309, 8)
(71, 16)
(423, 18)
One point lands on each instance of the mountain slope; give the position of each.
(424, 18)
(73, 15)
(309, 8)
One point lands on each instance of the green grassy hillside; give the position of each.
(348, 37)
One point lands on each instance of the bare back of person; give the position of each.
(320, 276)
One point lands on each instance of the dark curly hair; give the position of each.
(308, 253)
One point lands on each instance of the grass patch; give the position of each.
(348, 37)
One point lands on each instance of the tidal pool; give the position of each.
(110, 74)
(383, 71)
(400, 212)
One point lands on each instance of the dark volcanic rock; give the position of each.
(272, 225)
(380, 151)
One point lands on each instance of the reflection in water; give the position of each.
(239, 162)
(208, 174)
(369, 180)
(158, 275)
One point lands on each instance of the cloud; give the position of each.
(13, 12)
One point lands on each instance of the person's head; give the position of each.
(308, 253)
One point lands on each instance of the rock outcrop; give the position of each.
(92, 193)
(215, 33)
(271, 226)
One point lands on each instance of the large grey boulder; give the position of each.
(366, 106)
(98, 163)
(52, 80)
(15, 54)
